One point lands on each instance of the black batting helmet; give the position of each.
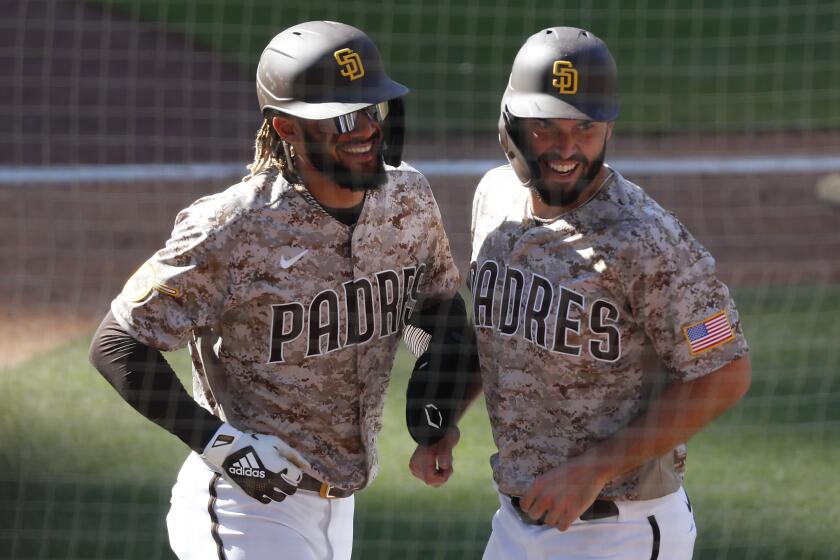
(559, 73)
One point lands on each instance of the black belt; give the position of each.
(598, 510)
(324, 490)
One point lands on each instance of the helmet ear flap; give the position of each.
(510, 139)
(393, 133)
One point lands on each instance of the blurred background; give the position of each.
(114, 114)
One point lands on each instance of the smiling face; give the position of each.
(350, 160)
(569, 154)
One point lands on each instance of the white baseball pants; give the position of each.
(659, 529)
(211, 520)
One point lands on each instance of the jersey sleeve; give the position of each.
(479, 202)
(688, 313)
(181, 287)
(442, 278)
(476, 204)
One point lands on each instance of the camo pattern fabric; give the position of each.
(581, 321)
(292, 318)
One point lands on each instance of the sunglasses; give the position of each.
(347, 122)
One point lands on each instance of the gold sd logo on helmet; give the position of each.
(351, 64)
(568, 77)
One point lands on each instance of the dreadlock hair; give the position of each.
(268, 150)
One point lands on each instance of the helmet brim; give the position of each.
(544, 106)
(318, 111)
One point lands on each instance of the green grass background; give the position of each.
(83, 476)
(699, 65)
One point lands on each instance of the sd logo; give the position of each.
(351, 64)
(142, 282)
(566, 80)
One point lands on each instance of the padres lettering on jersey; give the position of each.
(529, 313)
(293, 318)
(582, 320)
(397, 295)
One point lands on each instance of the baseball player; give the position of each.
(605, 338)
(291, 290)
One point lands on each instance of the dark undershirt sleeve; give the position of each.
(446, 376)
(142, 377)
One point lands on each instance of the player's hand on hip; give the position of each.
(433, 464)
(561, 495)
(262, 466)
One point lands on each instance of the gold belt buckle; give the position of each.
(325, 490)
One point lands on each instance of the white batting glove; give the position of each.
(262, 466)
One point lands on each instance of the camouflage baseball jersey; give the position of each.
(583, 319)
(292, 318)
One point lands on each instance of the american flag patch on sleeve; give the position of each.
(708, 333)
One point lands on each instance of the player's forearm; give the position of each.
(145, 380)
(681, 411)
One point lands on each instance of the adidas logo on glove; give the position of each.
(245, 467)
(260, 465)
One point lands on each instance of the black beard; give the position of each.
(567, 197)
(340, 174)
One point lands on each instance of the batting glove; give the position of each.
(262, 466)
